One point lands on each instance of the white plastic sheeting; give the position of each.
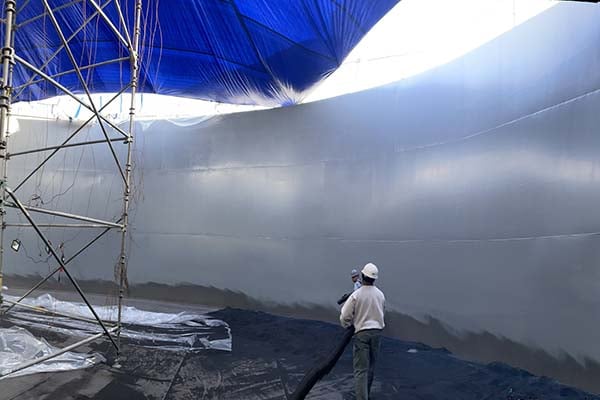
(170, 331)
(18, 346)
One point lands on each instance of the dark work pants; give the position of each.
(366, 348)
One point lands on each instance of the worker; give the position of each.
(364, 309)
(355, 279)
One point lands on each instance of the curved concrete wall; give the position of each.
(475, 188)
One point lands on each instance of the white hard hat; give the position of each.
(354, 273)
(370, 270)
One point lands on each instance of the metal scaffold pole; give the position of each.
(10, 9)
(134, 48)
(38, 71)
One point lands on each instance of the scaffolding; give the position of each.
(9, 194)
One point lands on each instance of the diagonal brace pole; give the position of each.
(24, 23)
(85, 87)
(67, 140)
(66, 91)
(110, 24)
(61, 263)
(56, 354)
(132, 46)
(75, 33)
(55, 271)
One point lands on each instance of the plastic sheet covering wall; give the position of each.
(474, 187)
(232, 51)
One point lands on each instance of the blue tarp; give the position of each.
(234, 51)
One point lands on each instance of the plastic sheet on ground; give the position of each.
(172, 331)
(18, 346)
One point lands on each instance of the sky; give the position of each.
(413, 37)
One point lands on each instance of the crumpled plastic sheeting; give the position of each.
(267, 52)
(169, 331)
(18, 346)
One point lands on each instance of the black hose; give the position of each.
(343, 299)
(323, 367)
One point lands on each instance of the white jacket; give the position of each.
(364, 309)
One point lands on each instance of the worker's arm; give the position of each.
(347, 314)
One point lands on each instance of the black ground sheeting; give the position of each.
(270, 355)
